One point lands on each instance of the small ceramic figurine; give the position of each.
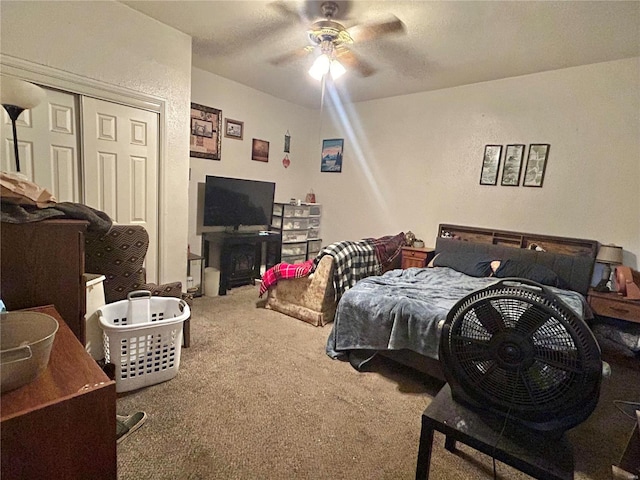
(409, 238)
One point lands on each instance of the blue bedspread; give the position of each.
(402, 309)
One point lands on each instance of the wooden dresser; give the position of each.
(42, 263)
(62, 424)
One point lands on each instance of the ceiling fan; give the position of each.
(332, 40)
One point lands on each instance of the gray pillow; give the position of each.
(531, 271)
(470, 263)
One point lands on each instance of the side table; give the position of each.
(530, 452)
(63, 423)
(416, 257)
(610, 304)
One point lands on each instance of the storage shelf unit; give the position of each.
(300, 228)
(314, 242)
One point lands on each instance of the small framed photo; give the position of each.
(536, 165)
(513, 156)
(490, 165)
(206, 123)
(233, 129)
(260, 150)
(331, 159)
(201, 128)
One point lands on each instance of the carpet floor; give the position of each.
(256, 397)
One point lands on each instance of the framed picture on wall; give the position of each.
(233, 129)
(536, 165)
(331, 158)
(260, 150)
(490, 165)
(206, 123)
(513, 156)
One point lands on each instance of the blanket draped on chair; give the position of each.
(285, 270)
(352, 262)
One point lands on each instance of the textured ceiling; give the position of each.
(446, 44)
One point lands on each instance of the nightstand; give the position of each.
(416, 257)
(610, 304)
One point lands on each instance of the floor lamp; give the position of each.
(17, 96)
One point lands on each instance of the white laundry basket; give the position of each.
(143, 338)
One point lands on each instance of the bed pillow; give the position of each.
(470, 263)
(531, 271)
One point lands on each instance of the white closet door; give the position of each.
(120, 167)
(47, 145)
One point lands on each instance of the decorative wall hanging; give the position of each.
(536, 165)
(233, 129)
(332, 155)
(206, 123)
(287, 142)
(260, 150)
(490, 165)
(513, 156)
(285, 161)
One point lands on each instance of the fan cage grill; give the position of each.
(521, 348)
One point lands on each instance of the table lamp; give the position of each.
(17, 96)
(607, 255)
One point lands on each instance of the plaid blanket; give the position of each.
(352, 261)
(284, 270)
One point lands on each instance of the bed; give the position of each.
(398, 314)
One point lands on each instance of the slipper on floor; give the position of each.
(127, 424)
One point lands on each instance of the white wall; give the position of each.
(412, 162)
(265, 118)
(113, 44)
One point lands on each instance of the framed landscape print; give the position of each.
(513, 156)
(206, 123)
(490, 165)
(260, 150)
(233, 129)
(536, 165)
(331, 159)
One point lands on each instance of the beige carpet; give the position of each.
(256, 397)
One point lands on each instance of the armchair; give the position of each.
(119, 255)
(311, 299)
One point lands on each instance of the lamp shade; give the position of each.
(610, 254)
(19, 93)
(337, 69)
(320, 67)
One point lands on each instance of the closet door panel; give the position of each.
(121, 176)
(47, 145)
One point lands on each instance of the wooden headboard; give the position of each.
(548, 243)
(571, 258)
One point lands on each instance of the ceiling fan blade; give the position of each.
(364, 33)
(351, 61)
(287, 11)
(291, 56)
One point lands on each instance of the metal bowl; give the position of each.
(26, 339)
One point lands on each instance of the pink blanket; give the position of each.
(284, 270)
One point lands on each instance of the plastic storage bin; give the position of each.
(294, 249)
(143, 338)
(294, 236)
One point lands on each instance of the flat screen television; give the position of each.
(235, 202)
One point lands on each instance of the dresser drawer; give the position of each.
(416, 257)
(614, 308)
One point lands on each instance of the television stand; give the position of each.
(241, 255)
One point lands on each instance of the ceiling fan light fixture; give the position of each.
(337, 69)
(320, 67)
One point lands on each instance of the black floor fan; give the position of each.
(515, 350)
